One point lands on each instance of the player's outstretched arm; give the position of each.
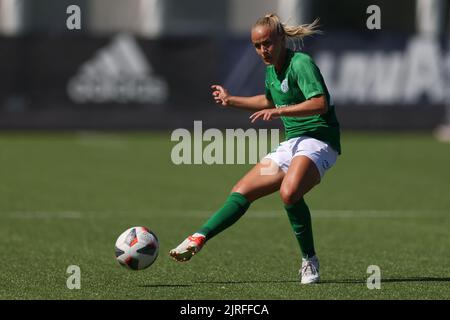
(255, 103)
(313, 106)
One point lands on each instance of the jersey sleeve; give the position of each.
(309, 79)
(268, 93)
(267, 87)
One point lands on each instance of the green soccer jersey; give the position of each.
(299, 81)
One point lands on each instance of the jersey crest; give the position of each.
(284, 85)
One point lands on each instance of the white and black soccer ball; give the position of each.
(137, 248)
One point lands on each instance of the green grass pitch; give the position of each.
(65, 198)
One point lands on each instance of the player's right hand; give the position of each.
(220, 95)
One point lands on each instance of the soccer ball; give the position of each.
(137, 248)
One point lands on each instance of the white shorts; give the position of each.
(322, 154)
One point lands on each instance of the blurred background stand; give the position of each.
(149, 64)
(12, 14)
(431, 15)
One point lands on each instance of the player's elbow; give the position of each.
(321, 105)
(323, 108)
(267, 104)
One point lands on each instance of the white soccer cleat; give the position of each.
(189, 247)
(309, 271)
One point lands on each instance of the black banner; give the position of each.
(381, 81)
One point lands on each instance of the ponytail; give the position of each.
(295, 32)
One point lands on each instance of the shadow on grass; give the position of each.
(337, 281)
(245, 281)
(387, 280)
(165, 285)
(322, 282)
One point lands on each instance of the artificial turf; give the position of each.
(66, 197)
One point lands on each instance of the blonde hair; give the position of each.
(297, 32)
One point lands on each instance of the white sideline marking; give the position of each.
(253, 214)
(341, 214)
(44, 215)
(92, 139)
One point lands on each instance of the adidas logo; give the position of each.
(118, 73)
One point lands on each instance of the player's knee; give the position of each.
(289, 195)
(244, 191)
(238, 188)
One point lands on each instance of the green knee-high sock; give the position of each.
(300, 219)
(235, 206)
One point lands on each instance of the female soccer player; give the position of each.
(295, 92)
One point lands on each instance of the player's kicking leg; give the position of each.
(261, 180)
(188, 248)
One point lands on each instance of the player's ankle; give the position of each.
(197, 234)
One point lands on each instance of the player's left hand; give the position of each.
(266, 115)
